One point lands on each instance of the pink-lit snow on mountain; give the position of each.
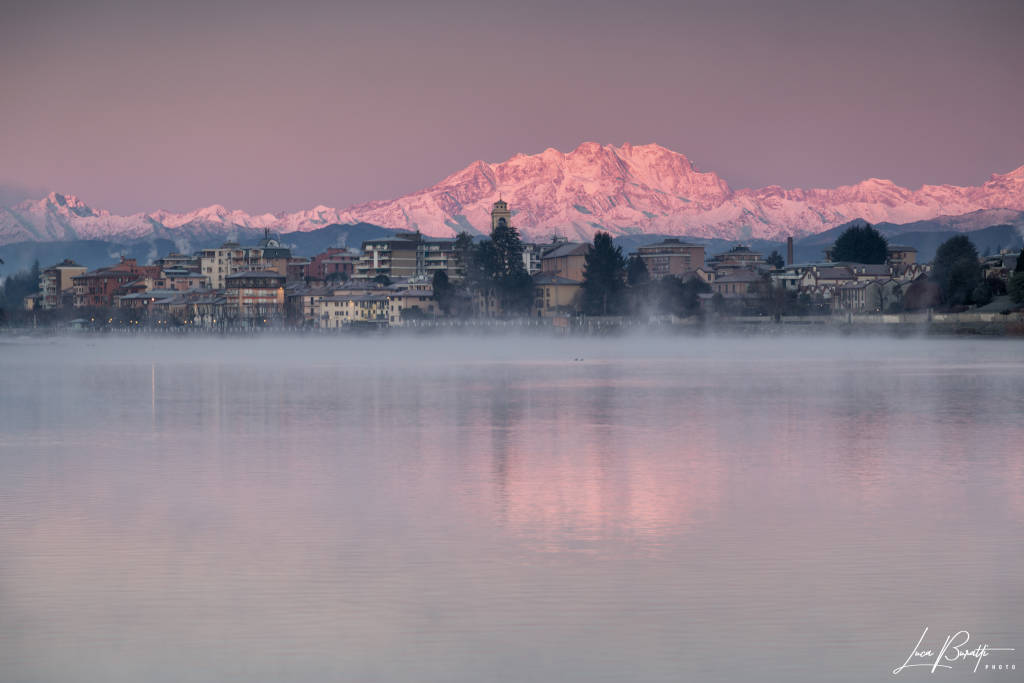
(624, 190)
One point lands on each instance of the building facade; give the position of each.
(671, 257)
(254, 296)
(566, 260)
(554, 294)
(57, 283)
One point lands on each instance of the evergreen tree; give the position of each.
(861, 244)
(18, 286)
(443, 291)
(1020, 262)
(517, 292)
(497, 268)
(636, 271)
(775, 259)
(509, 249)
(603, 276)
(464, 250)
(481, 267)
(1016, 288)
(957, 270)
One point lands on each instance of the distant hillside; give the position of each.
(630, 243)
(925, 236)
(989, 230)
(334, 235)
(98, 253)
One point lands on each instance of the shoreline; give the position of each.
(901, 325)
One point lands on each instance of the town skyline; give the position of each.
(409, 279)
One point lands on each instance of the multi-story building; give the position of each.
(181, 279)
(333, 264)
(554, 294)
(231, 257)
(566, 260)
(532, 255)
(440, 255)
(866, 296)
(738, 257)
(216, 264)
(353, 307)
(101, 287)
(411, 303)
(209, 309)
(739, 282)
(671, 257)
(178, 262)
(1001, 265)
(273, 255)
(302, 303)
(254, 296)
(143, 302)
(57, 281)
(897, 253)
(392, 257)
(408, 255)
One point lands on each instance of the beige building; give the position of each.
(344, 309)
(739, 282)
(408, 255)
(254, 296)
(440, 255)
(56, 281)
(392, 257)
(671, 257)
(230, 258)
(866, 296)
(566, 260)
(897, 253)
(554, 294)
(739, 256)
(409, 304)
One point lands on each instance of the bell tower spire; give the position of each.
(500, 214)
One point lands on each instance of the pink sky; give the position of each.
(280, 106)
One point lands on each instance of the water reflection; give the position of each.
(721, 510)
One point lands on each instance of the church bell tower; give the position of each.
(500, 215)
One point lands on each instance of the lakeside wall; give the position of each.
(905, 324)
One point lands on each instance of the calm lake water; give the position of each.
(478, 509)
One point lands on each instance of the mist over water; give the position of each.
(505, 508)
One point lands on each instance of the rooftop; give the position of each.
(552, 279)
(667, 242)
(152, 294)
(66, 263)
(739, 276)
(834, 273)
(568, 249)
(250, 274)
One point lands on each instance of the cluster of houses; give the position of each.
(389, 280)
(847, 287)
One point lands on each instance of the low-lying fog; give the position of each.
(424, 350)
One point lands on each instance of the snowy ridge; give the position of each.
(624, 190)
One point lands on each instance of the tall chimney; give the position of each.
(789, 250)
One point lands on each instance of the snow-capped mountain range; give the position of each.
(623, 190)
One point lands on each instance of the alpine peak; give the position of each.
(624, 189)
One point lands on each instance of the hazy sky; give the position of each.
(271, 106)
